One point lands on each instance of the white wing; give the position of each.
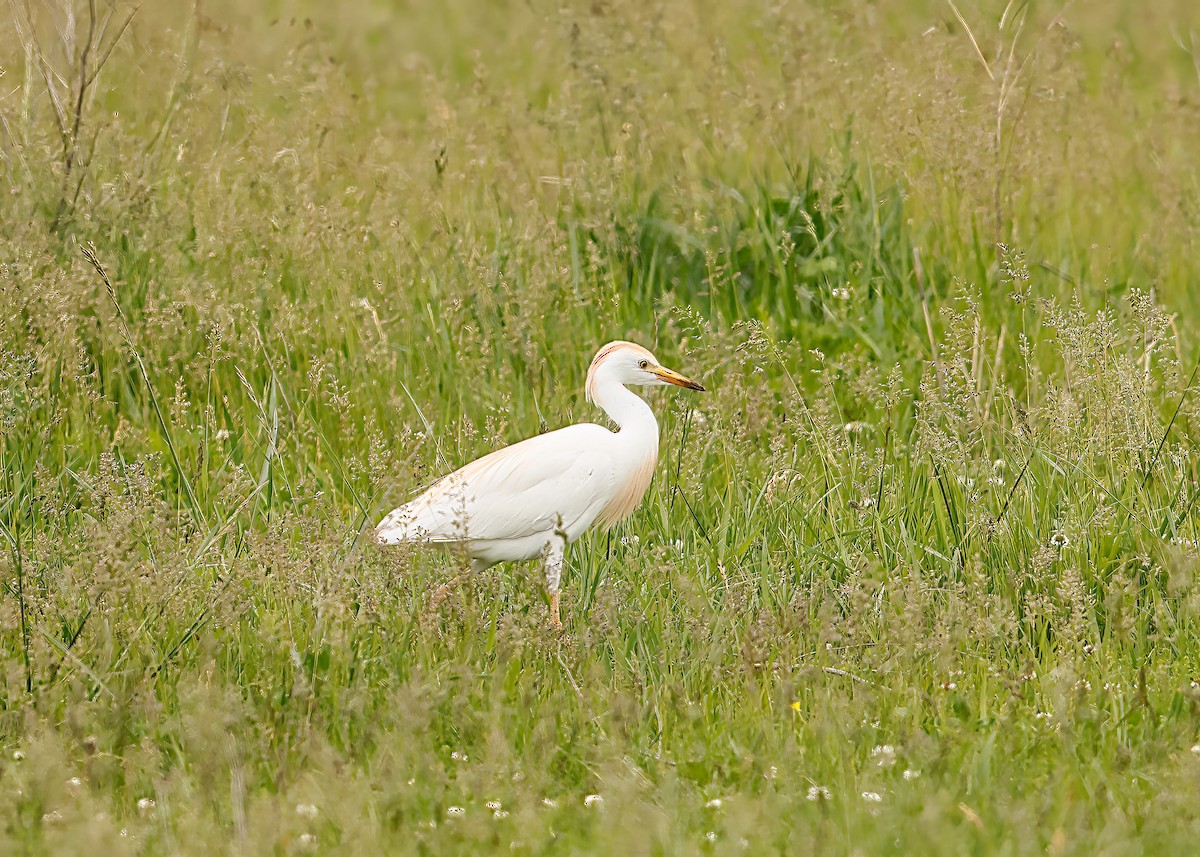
(560, 479)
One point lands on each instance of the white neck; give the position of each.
(631, 414)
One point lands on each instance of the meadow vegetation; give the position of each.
(917, 574)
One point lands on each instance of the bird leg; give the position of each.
(555, 549)
(439, 595)
(441, 592)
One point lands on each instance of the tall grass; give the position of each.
(917, 574)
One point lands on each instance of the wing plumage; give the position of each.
(562, 479)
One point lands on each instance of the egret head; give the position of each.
(629, 363)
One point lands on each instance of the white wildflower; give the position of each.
(146, 805)
(593, 800)
(455, 812)
(819, 793)
(910, 774)
(872, 797)
(306, 810)
(884, 755)
(715, 803)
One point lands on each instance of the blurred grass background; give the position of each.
(918, 573)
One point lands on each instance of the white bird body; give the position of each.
(537, 496)
(505, 505)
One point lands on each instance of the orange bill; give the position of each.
(675, 378)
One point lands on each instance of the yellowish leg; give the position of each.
(553, 555)
(441, 592)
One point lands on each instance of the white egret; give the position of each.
(536, 497)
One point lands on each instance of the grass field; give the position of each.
(918, 574)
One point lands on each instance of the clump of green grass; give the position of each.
(917, 573)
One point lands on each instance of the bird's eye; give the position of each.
(642, 364)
